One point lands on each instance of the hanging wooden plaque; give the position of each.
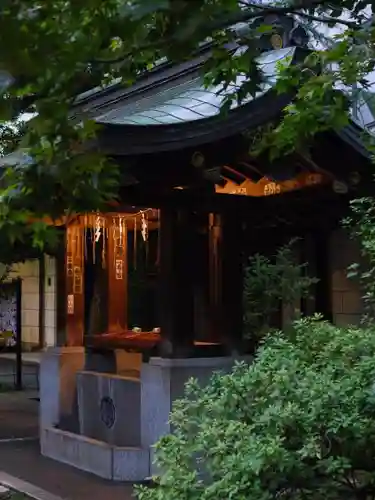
(77, 280)
(69, 266)
(70, 304)
(119, 269)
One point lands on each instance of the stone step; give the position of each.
(104, 460)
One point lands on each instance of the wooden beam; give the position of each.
(266, 187)
(208, 202)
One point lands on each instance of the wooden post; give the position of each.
(227, 279)
(61, 299)
(74, 275)
(323, 297)
(117, 250)
(308, 258)
(215, 276)
(232, 280)
(176, 294)
(201, 269)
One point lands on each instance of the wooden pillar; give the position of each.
(308, 306)
(117, 261)
(176, 294)
(215, 276)
(203, 327)
(74, 281)
(292, 312)
(232, 280)
(61, 300)
(323, 297)
(226, 279)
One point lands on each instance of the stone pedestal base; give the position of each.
(109, 408)
(163, 381)
(109, 462)
(58, 389)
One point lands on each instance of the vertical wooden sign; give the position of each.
(117, 251)
(74, 286)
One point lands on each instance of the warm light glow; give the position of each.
(101, 226)
(268, 187)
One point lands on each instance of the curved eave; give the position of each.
(126, 140)
(129, 139)
(351, 134)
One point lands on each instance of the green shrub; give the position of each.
(361, 224)
(299, 423)
(270, 282)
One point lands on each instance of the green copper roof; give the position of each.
(189, 100)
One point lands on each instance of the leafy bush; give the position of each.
(362, 227)
(268, 282)
(299, 423)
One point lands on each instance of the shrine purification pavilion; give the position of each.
(150, 293)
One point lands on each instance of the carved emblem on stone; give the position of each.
(108, 412)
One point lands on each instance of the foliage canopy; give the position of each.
(51, 51)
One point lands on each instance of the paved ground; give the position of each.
(30, 370)
(22, 460)
(27, 357)
(19, 419)
(18, 415)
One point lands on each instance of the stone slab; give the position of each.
(58, 395)
(101, 459)
(78, 451)
(215, 363)
(130, 464)
(163, 381)
(49, 391)
(109, 408)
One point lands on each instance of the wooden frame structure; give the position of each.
(215, 204)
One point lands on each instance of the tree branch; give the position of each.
(328, 20)
(325, 19)
(253, 11)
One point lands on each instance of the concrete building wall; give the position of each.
(346, 293)
(347, 307)
(29, 273)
